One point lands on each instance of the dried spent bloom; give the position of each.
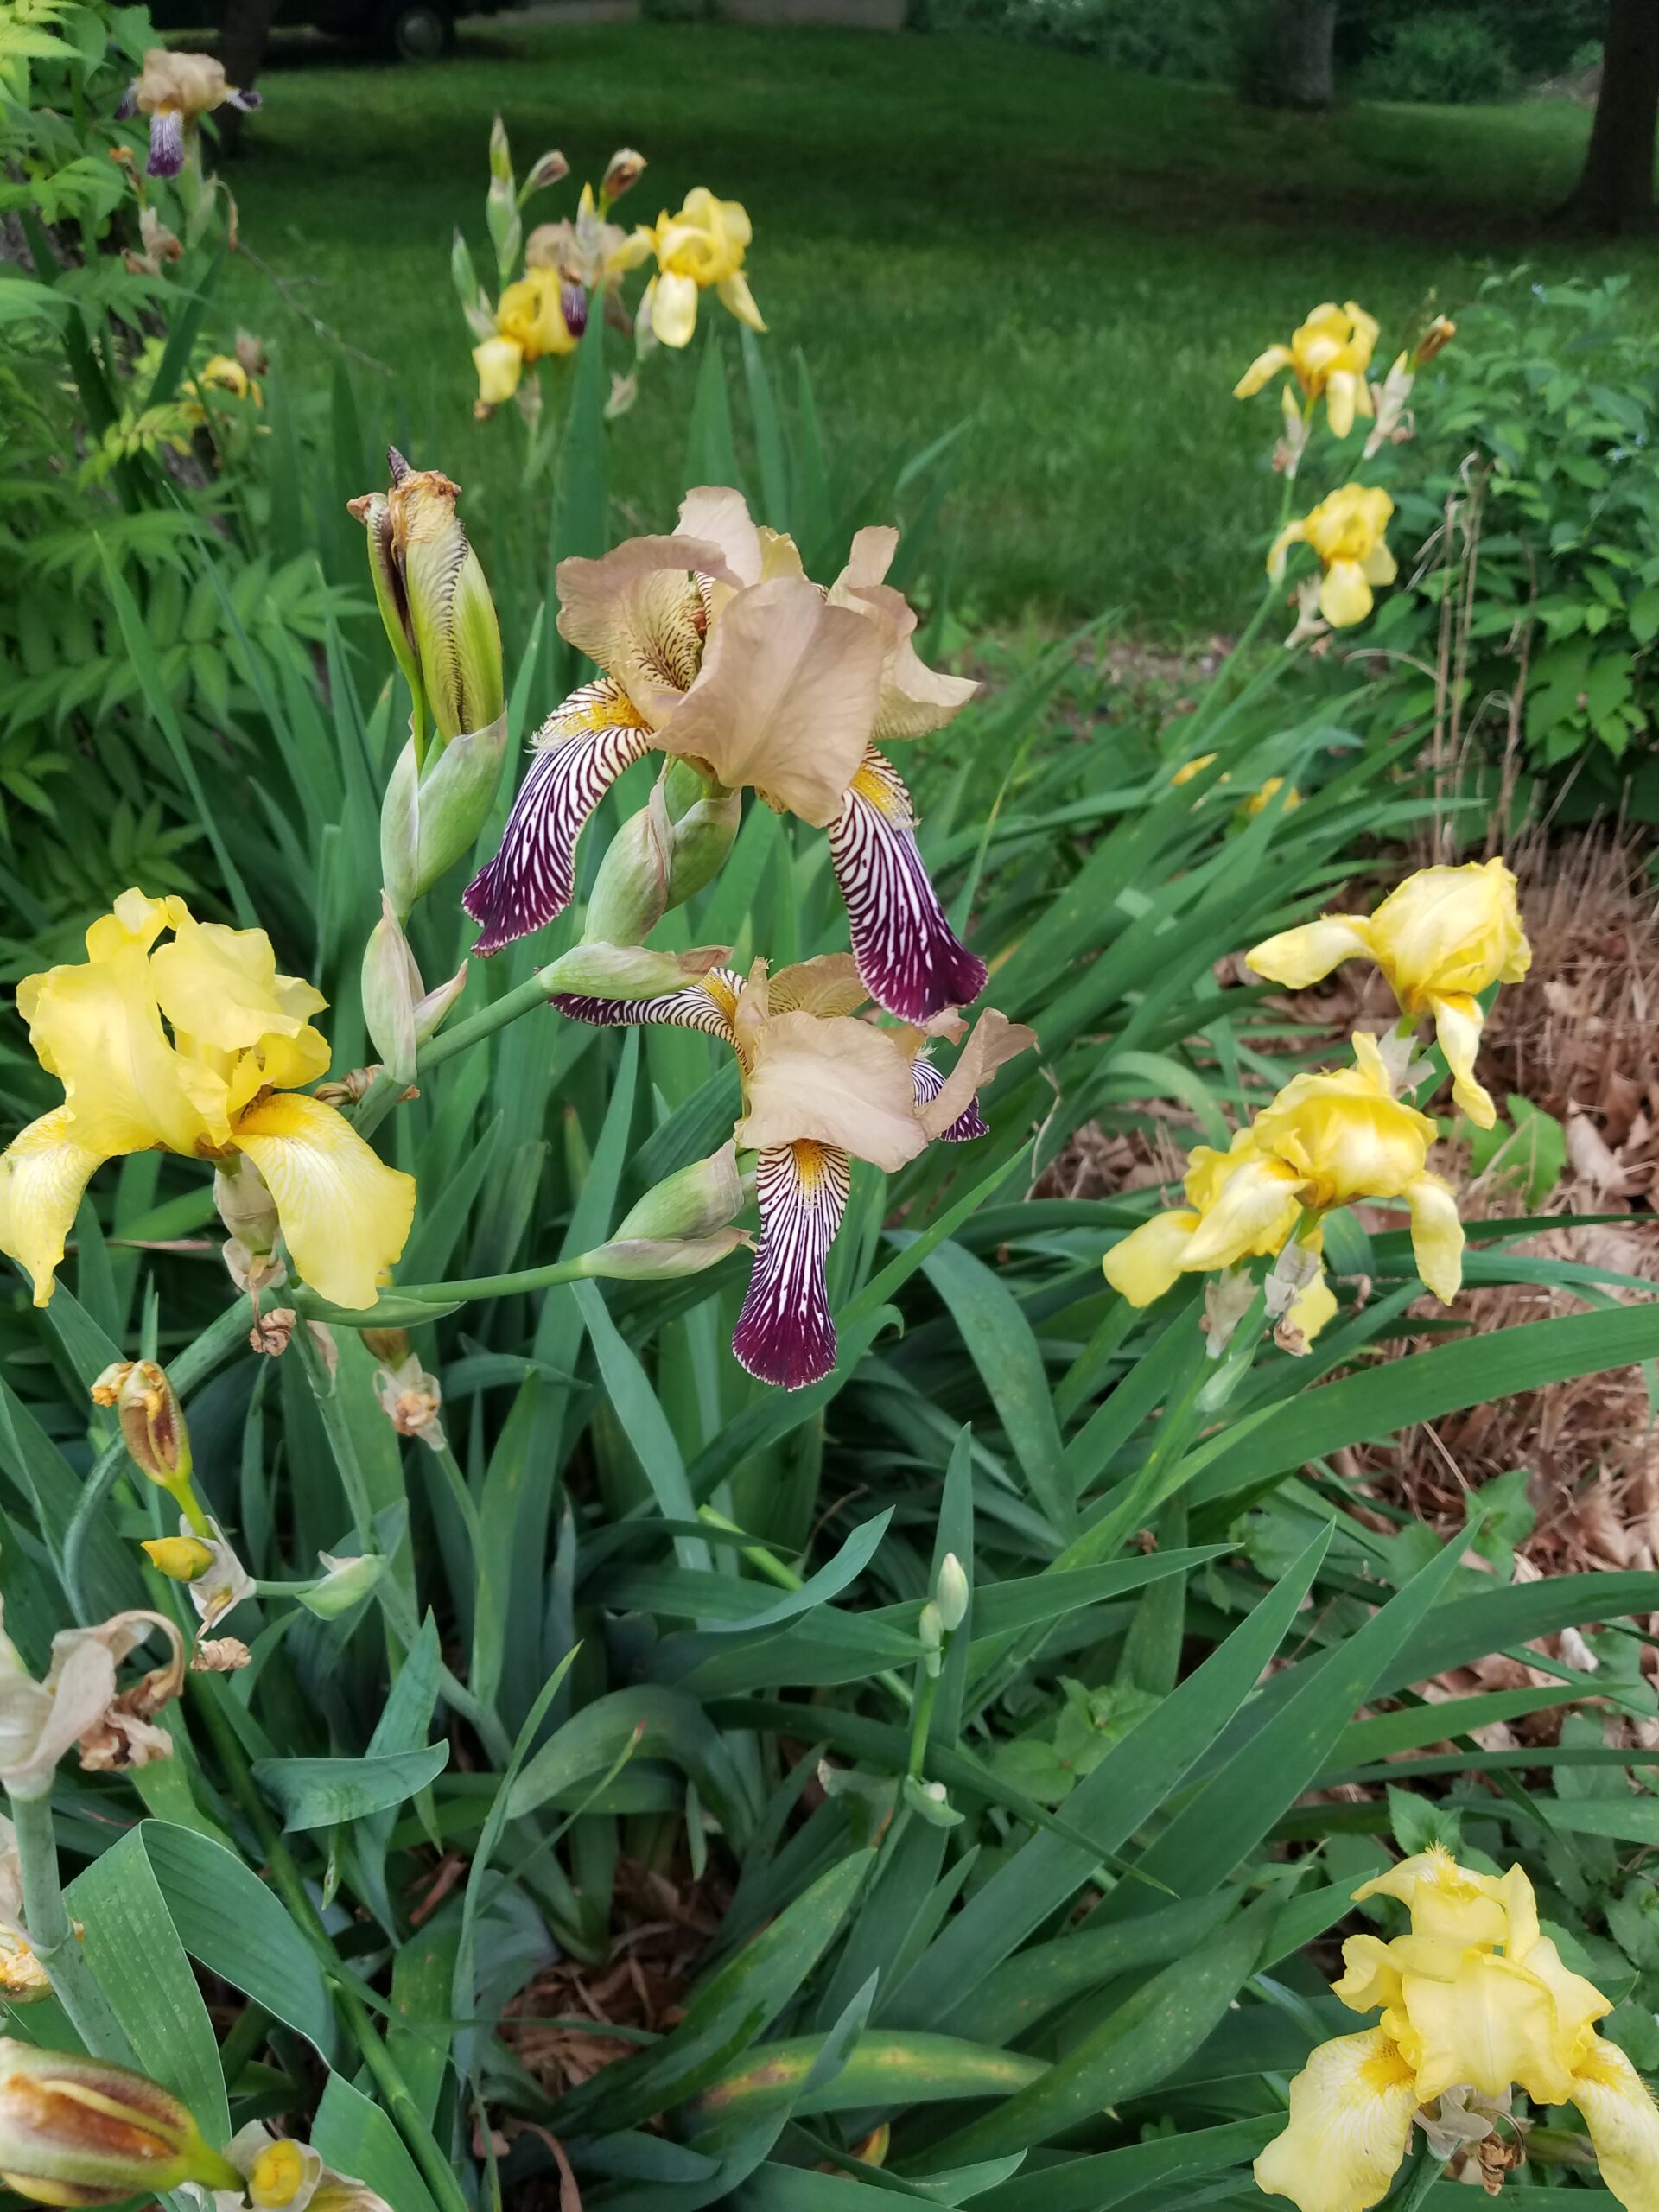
(176, 90)
(411, 1400)
(1328, 355)
(622, 172)
(698, 250)
(152, 1421)
(1475, 1999)
(81, 2131)
(226, 1082)
(820, 1089)
(1347, 530)
(79, 1703)
(220, 1655)
(718, 650)
(1443, 935)
(1328, 1140)
(22, 1978)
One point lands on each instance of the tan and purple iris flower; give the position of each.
(176, 90)
(821, 1089)
(715, 646)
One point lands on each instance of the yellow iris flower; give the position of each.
(1328, 355)
(1473, 1997)
(529, 324)
(224, 1082)
(699, 250)
(1332, 1139)
(1347, 529)
(1444, 936)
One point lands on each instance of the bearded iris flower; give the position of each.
(1444, 936)
(1328, 355)
(820, 1090)
(699, 250)
(717, 648)
(176, 90)
(1332, 1139)
(540, 314)
(1474, 1998)
(225, 1081)
(1348, 531)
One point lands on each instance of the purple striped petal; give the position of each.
(909, 957)
(165, 142)
(707, 1005)
(577, 755)
(929, 1083)
(784, 1333)
(245, 101)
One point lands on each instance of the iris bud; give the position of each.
(950, 1593)
(152, 1418)
(81, 2131)
(181, 1559)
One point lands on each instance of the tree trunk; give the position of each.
(1615, 192)
(243, 38)
(1290, 60)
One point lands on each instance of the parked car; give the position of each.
(407, 30)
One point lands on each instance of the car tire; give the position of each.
(417, 30)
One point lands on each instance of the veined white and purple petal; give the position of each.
(577, 755)
(785, 1334)
(930, 1082)
(165, 142)
(245, 101)
(706, 1005)
(127, 105)
(910, 959)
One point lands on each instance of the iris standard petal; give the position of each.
(836, 1081)
(1306, 954)
(576, 755)
(1350, 2110)
(1148, 1262)
(1492, 2024)
(43, 1172)
(345, 1214)
(1254, 1211)
(98, 1029)
(785, 1334)
(1436, 1235)
(1623, 2123)
(220, 985)
(912, 961)
(993, 1041)
(786, 698)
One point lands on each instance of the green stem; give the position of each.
(383, 1092)
(1424, 2174)
(341, 1442)
(921, 1720)
(52, 1936)
(439, 2175)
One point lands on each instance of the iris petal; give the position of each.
(784, 1333)
(43, 1172)
(910, 958)
(1350, 2110)
(345, 1214)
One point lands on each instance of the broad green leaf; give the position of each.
(356, 2137)
(322, 1793)
(1165, 2161)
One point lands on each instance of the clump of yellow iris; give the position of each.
(699, 250)
(1348, 531)
(1445, 935)
(1476, 1999)
(224, 1082)
(1336, 1138)
(1328, 355)
(530, 325)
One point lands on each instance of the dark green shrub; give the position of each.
(1453, 61)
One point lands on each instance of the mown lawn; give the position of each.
(1076, 264)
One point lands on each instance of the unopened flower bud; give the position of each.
(346, 1583)
(1441, 332)
(929, 1800)
(152, 1418)
(391, 985)
(389, 1346)
(680, 1227)
(703, 837)
(501, 203)
(181, 1559)
(549, 169)
(624, 972)
(622, 172)
(81, 2131)
(950, 1593)
(630, 894)
(246, 1206)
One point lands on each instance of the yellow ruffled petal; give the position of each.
(674, 309)
(500, 365)
(1380, 566)
(98, 1029)
(1341, 400)
(1436, 1235)
(1371, 1977)
(1301, 956)
(43, 1172)
(136, 921)
(1350, 2110)
(1345, 595)
(1263, 366)
(1313, 1308)
(220, 986)
(1294, 533)
(345, 1214)
(1449, 1904)
(1493, 2024)
(1458, 1024)
(734, 294)
(1254, 1212)
(1623, 2123)
(1147, 1261)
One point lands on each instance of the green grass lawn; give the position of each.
(1074, 263)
